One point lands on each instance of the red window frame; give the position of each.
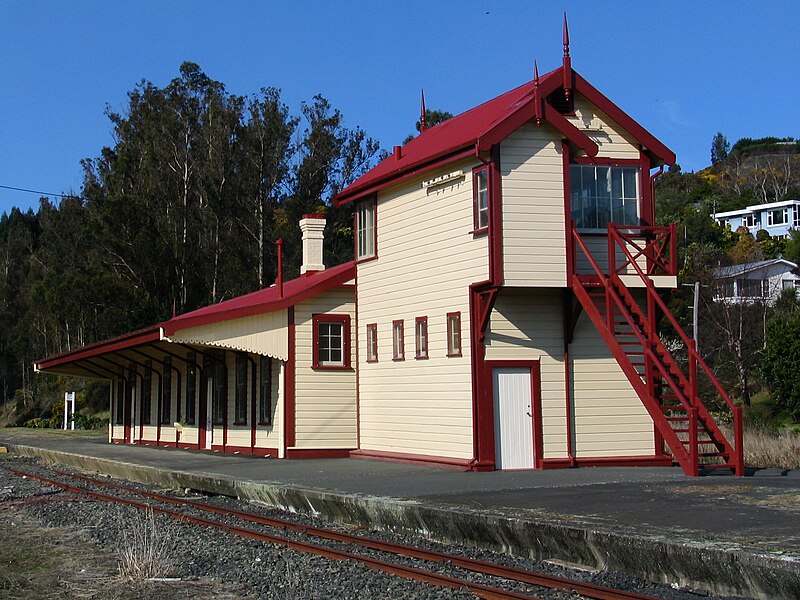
(373, 202)
(344, 321)
(398, 340)
(477, 226)
(421, 341)
(372, 343)
(454, 327)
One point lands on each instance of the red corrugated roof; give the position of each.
(456, 137)
(446, 138)
(267, 300)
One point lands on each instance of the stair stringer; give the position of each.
(634, 377)
(678, 381)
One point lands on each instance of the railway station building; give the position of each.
(502, 311)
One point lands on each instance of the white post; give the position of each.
(69, 402)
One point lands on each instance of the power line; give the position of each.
(16, 189)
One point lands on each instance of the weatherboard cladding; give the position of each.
(427, 259)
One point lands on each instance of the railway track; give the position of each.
(187, 511)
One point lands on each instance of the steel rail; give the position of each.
(589, 590)
(436, 579)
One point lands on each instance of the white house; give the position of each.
(764, 280)
(776, 218)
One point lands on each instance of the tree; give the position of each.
(719, 149)
(780, 364)
(432, 118)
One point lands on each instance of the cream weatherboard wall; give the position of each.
(427, 258)
(610, 419)
(612, 140)
(325, 399)
(534, 250)
(526, 324)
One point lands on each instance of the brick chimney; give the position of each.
(313, 227)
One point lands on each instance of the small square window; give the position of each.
(454, 334)
(372, 342)
(331, 341)
(421, 337)
(398, 341)
(480, 193)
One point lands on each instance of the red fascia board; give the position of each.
(306, 287)
(568, 130)
(403, 174)
(638, 132)
(128, 340)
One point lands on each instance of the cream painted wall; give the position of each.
(526, 324)
(613, 141)
(610, 419)
(427, 258)
(325, 400)
(534, 246)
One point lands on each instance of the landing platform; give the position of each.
(719, 533)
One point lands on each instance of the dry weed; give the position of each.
(766, 448)
(145, 551)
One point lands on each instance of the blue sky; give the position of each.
(684, 70)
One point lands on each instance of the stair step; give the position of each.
(718, 466)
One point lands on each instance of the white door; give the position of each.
(513, 420)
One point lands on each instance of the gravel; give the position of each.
(261, 570)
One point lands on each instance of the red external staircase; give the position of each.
(668, 390)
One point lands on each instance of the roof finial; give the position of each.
(567, 61)
(423, 125)
(537, 103)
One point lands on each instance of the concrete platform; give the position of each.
(722, 534)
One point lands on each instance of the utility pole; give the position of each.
(695, 314)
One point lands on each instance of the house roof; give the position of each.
(756, 208)
(477, 129)
(268, 299)
(744, 268)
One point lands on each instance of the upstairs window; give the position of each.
(331, 341)
(365, 230)
(750, 221)
(778, 217)
(601, 195)
(796, 210)
(398, 341)
(372, 342)
(454, 334)
(480, 199)
(421, 337)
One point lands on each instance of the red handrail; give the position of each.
(650, 286)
